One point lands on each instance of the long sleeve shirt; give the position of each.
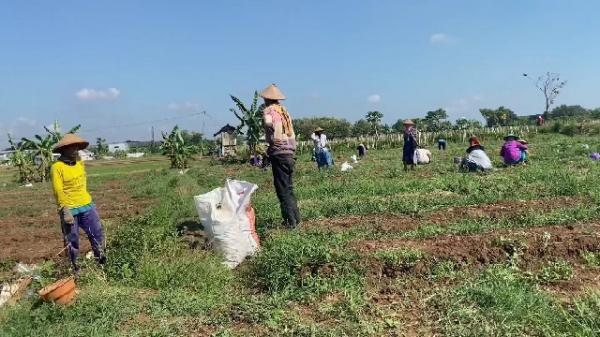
(480, 158)
(280, 140)
(511, 151)
(320, 141)
(70, 184)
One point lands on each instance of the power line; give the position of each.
(144, 122)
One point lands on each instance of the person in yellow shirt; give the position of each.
(75, 206)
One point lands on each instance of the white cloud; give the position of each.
(27, 121)
(87, 94)
(375, 98)
(442, 39)
(186, 106)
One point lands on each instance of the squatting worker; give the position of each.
(281, 138)
(76, 208)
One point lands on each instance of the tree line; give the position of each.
(433, 121)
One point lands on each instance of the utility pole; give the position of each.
(152, 144)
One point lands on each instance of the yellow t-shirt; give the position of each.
(70, 184)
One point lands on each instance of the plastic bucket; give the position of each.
(61, 292)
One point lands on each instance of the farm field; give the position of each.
(381, 252)
(28, 217)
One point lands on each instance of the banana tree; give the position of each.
(41, 148)
(22, 160)
(251, 121)
(176, 149)
(101, 147)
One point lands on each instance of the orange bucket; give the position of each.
(61, 292)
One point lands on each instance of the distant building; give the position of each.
(5, 156)
(227, 139)
(113, 147)
(86, 155)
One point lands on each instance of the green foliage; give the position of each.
(374, 118)
(251, 119)
(197, 139)
(572, 127)
(304, 264)
(465, 124)
(41, 150)
(362, 127)
(435, 121)
(498, 117)
(313, 282)
(178, 268)
(404, 257)
(569, 111)
(99, 311)
(23, 161)
(175, 147)
(334, 127)
(101, 148)
(591, 258)
(555, 271)
(120, 154)
(445, 269)
(501, 302)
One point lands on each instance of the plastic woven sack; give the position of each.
(229, 221)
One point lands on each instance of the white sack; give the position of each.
(228, 227)
(346, 167)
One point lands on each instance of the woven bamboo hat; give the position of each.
(319, 129)
(70, 139)
(272, 92)
(408, 122)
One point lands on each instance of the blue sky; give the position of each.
(113, 66)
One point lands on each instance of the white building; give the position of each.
(118, 147)
(86, 155)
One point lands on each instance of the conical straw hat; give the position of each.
(70, 139)
(319, 129)
(272, 92)
(408, 122)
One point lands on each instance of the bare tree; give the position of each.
(550, 85)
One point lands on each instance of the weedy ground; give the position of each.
(382, 252)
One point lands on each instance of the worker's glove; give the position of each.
(66, 216)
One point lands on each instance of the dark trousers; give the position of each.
(442, 146)
(283, 169)
(90, 223)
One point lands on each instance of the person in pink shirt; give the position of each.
(513, 152)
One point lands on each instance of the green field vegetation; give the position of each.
(324, 279)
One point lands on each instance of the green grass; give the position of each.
(502, 302)
(312, 281)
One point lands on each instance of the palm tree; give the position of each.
(251, 119)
